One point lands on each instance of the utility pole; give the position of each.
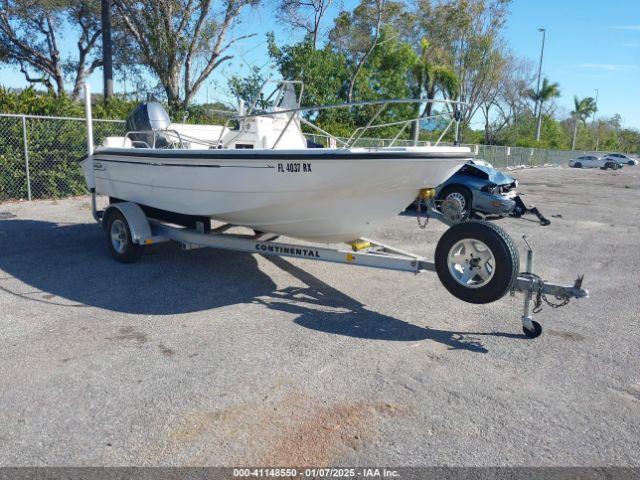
(107, 66)
(538, 107)
(593, 121)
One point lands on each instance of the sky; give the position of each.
(590, 44)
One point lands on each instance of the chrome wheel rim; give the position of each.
(118, 236)
(458, 197)
(471, 263)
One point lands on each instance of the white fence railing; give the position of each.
(39, 154)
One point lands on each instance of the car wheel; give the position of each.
(630, 162)
(577, 165)
(460, 194)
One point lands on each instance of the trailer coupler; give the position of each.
(532, 285)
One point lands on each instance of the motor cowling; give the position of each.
(144, 119)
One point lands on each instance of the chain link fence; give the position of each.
(499, 156)
(39, 155)
(506, 157)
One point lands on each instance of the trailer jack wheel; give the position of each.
(477, 262)
(534, 332)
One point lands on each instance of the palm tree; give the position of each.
(547, 91)
(583, 109)
(431, 75)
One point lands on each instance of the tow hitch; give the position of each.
(536, 289)
(521, 209)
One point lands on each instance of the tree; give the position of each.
(583, 109)
(324, 72)
(30, 32)
(325, 76)
(304, 14)
(430, 74)
(516, 82)
(248, 88)
(547, 92)
(469, 31)
(509, 102)
(175, 37)
(356, 34)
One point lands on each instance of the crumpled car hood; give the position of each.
(495, 176)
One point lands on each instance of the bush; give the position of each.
(54, 145)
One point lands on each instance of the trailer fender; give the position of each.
(137, 220)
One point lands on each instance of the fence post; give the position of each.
(26, 155)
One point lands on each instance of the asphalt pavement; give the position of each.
(211, 357)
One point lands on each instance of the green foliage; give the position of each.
(326, 74)
(31, 102)
(522, 133)
(248, 89)
(325, 78)
(55, 146)
(548, 91)
(584, 108)
(323, 71)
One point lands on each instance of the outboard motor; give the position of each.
(144, 118)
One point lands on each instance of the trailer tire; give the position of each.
(119, 239)
(477, 262)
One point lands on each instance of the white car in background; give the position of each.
(594, 161)
(622, 158)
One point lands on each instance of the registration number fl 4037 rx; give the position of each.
(294, 168)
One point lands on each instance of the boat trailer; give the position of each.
(129, 229)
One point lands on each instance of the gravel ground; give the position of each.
(216, 358)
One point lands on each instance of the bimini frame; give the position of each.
(455, 108)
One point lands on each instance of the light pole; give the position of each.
(107, 68)
(593, 121)
(538, 106)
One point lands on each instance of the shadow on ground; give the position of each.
(70, 263)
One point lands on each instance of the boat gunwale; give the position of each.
(268, 154)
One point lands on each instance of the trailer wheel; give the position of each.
(477, 262)
(119, 240)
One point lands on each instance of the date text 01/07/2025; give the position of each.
(294, 167)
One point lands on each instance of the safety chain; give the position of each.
(421, 224)
(541, 296)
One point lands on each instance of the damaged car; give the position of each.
(479, 190)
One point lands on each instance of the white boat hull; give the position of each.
(317, 194)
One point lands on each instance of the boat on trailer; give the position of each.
(262, 174)
(168, 181)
